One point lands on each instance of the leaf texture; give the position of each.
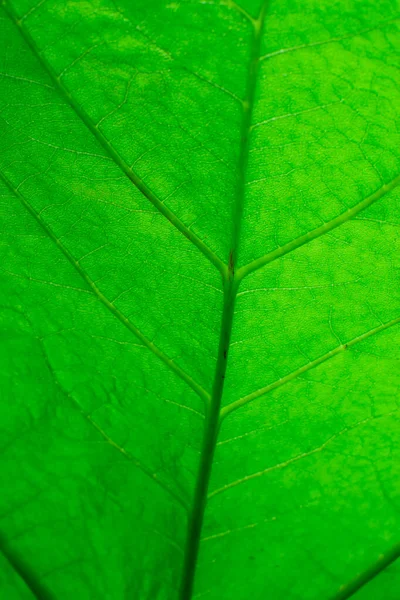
(200, 301)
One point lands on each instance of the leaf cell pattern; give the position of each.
(201, 270)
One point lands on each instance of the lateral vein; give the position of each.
(30, 579)
(295, 459)
(153, 476)
(127, 455)
(311, 365)
(349, 214)
(384, 560)
(230, 286)
(331, 40)
(196, 387)
(109, 148)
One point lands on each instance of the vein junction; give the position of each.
(231, 278)
(226, 270)
(104, 300)
(230, 282)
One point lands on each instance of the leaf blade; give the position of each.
(296, 309)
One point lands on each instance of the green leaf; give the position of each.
(200, 300)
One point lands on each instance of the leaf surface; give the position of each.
(200, 300)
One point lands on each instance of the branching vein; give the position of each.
(258, 263)
(127, 455)
(311, 365)
(109, 148)
(295, 459)
(153, 476)
(331, 40)
(384, 560)
(30, 579)
(230, 287)
(100, 296)
(231, 278)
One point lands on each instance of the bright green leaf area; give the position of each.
(200, 300)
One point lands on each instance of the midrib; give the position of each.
(230, 284)
(231, 278)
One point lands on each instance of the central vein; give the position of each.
(230, 283)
